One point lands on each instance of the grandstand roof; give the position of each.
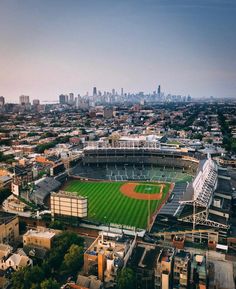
(202, 188)
(223, 172)
(172, 207)
(43, 188)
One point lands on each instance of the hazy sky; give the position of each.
(48, 47)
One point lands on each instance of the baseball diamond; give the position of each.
(109, 202)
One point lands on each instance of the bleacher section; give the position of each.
(124, 172)
(42, 189)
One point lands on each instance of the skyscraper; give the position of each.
(2, 101)
(159, 91)
(95, 91)
(71, 98)
(62, 98)
(24, 99)
(122, 91)
(36, 102)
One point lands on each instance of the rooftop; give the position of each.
(48, 234)
(6, 218)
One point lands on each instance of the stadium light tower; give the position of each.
(149, 212)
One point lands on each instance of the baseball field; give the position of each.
(126, 203)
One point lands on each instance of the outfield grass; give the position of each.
(108, 205)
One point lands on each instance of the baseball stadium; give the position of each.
(152, 187)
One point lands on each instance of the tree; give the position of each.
(61, 245)
(73, 260)
(66, 239)
(210, 141)
(18, 279)
(4, 193)
(57, 225)
(67, 250)
(35, 275)
(197, 136)
(126, 279)
(35, 286)
(27, 278)
(49, 284)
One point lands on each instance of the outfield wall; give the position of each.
(137, 232)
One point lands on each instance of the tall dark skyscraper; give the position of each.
(159, 91)
(2, 101)
(62, 98)
(95, 91)
(71, 98)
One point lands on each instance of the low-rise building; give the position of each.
(143, 262)
(181, 270)
(164, 269)
(16, 260)
(5, 181)
(9, 227)
(199, 272)
(39, 238)
(107, 255)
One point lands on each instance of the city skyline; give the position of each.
(52, 47)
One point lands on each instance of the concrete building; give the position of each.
(22, 176)
(164, 269)
(39, 238)
(36, 102)
(13, 204)
(63, 98)
(24, 99)
(69, 205)
(9, 227)
(2, 101)
(143, 262)
(71, 98)
(199, 272)
(181, 270)
(107, 255)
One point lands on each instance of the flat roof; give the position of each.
(6, 218)
(40, 234)
(224, 187)
(145, 256)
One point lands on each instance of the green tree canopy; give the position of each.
(126, 279)
(49, 284)
(73, 260)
